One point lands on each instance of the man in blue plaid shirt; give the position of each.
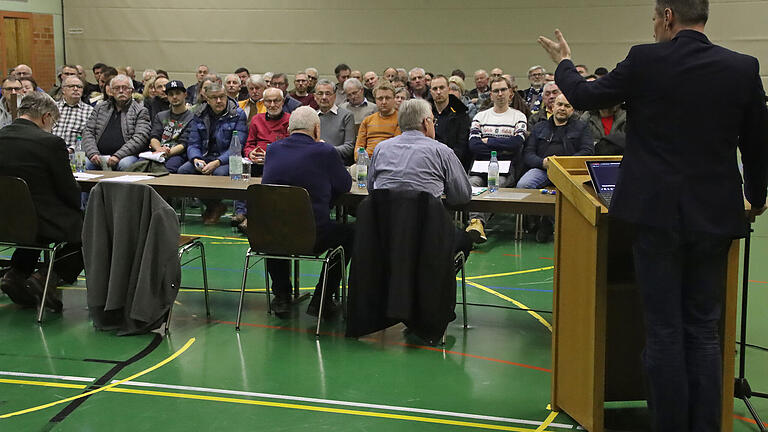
(74, 112)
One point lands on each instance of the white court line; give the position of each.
(300, 399)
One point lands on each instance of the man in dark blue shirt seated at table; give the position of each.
(300, 160)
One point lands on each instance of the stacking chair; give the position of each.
(282, 226)
(186, 245)
(18, 227)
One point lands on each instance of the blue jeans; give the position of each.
(123, 165)
(189, 168)
(681, 276)
(534, 178)
(173, 163)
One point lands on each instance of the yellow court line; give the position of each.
(538, 317)
(548, 421)
(275, 404)
(217, 237)
(510, 273)
(231, 243)
(107, 387)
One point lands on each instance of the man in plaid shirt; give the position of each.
(74, 112)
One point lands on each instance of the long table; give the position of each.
(526, 201)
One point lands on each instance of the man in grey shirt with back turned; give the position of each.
(414, 160)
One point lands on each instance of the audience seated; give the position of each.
(389, 74)
(417, 83)
(170, 128)
(342, 72)
(356, 102)
(210, 135)
(536, 76)
(414, 160)
(312, 75)
(337, 125)
(380, 125)
(456, 86)
(280, 81)
(501, 129)
(243, 74)
(481, 90)
(607, 127)
(583, 70)
(118, 128)
(159, 102)
(254, 104)
(232, 86)
(28, 85)
(263, 130)
(74, 113)
(548, 96)
(31, 152)
(63, 72)
(562, 135)
(301, 160)
(401, 94)
(370, 79)
(90, 88)
(301, 91)
(192, 91)
(23, 71)
(451, 120)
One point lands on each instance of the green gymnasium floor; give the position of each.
(274, 376)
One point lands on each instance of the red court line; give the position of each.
(756, 281)
(514, 255)
(546, 258)
(428, 348)
(748, 420)
(476, 252)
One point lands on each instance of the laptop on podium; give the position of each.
(604, 175)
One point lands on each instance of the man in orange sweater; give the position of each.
(380, 125)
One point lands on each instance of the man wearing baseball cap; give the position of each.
(170, 128)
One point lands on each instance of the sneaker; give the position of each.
(476, 231)
(236, 219)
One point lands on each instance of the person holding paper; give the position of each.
(501, 129)
(168, 137)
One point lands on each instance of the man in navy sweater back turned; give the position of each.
(300, 160)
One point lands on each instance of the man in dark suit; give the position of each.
(28, 150)
(680, 186)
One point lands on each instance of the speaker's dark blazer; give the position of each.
(690, 104)
(42, 160)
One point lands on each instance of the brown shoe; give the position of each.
(243, 227)
(216, 212)
(236, 220)
(12, 283)
(35, 285)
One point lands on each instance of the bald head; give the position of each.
(23, 71)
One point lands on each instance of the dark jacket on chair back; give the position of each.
(402, 266)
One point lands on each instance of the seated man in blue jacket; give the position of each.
(561, 135)
(210, 134)
(301, 160)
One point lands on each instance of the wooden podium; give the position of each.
(598, 334)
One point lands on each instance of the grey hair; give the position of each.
(303, 118)
(483, 71)
(268, 75)
(533, 68)
(350, 83)
(146, 72)
(416, 69)
(688, 12)
(549, 84)
(121, 77)
(214, 87)
(256, 80)
(324, 81)
(37, 104)
(310, 69)
(274, 89)
(64, 81)
(412, 113)
(232, 75)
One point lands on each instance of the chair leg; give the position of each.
(343, 285)
(205, 277)
(183, 209)
(296, 279)
(52, 257)
(266, 287)
(168, 316)
(322, 296)
(464, 292)
(242, 290)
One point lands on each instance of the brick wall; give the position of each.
(43, 59)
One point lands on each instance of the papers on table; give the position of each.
(85, 176)
(481, 167)
(128, 178)
(476, 190)
(517, 196)
(153, 156)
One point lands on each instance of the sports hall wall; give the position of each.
(440, 35)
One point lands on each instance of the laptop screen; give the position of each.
(604, 175)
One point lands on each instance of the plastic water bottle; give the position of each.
(79, 155)
(362, 168)
(235, 158)
(493, 173)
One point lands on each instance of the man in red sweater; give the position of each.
(265, 128)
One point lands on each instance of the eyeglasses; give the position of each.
(323, 93)
(431, 120)
(77, 86)
(13, 89)
(121, 89)
(272, 101)
(535, 75)
(499, 91)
